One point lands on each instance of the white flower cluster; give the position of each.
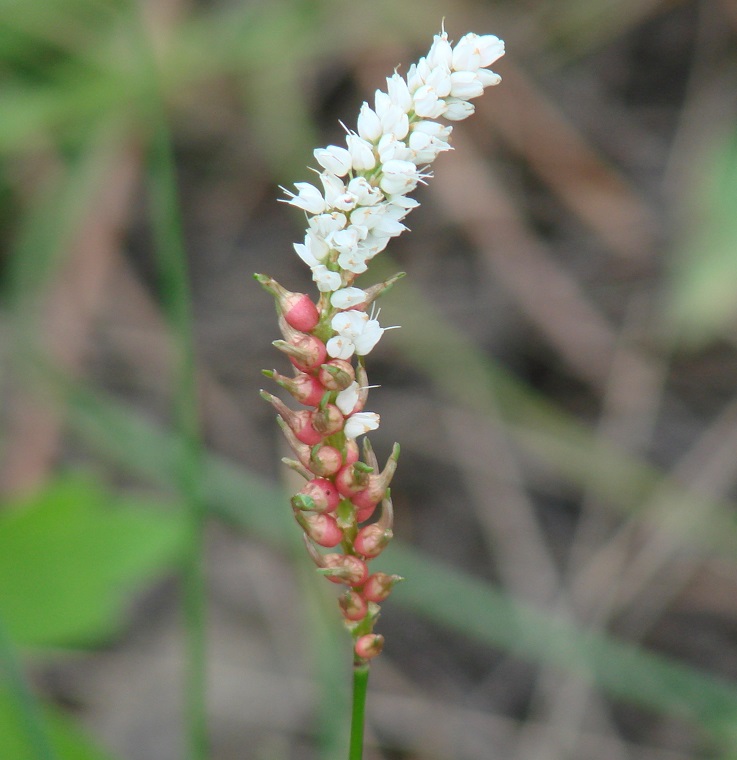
(365, 184)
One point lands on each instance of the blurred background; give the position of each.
(563, 384)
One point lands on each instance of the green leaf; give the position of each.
(71, 557)
(68, 742)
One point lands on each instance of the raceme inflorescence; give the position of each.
(344, 508)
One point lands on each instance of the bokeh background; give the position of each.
(562, 385)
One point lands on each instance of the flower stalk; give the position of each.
(345, 509)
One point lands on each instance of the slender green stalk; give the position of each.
(360, 685)
(175, 291)
(31, 719)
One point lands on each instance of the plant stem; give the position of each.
(360, 685)
(176, 298)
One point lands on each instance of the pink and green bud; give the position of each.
(369, 646)
(319, 495)
(352, 479)
(378, 587)
(377, 485)
(306, 352)
(296, 308)
(337, 374)
(353, 605)
(365, 513)
(324, 461)
(306, 389)
(328, 420)
(344, 568)
(320, 460)
(371, 540)
(322, 529)
(299, 422)
(350, 451)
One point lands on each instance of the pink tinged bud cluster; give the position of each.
(358, 204)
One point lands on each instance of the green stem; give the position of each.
(360, 685)
(175, 292)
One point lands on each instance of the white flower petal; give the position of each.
(368, 338)
(369, 124)
(347, 298)
(362, 153)
(339, 347)
(457, 110)
(347, 399)
(326, 280)
(465, 85)
(441, 51)
(334, 159)
(308, 198)
(360, 423)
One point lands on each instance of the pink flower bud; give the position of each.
(351, 479)
(297, 308)
(345, 568)
(320, 495)
(371, 540)
(376, 487)
(328, 420)
(369, 646)
(365, 513)
(337, 374)
(299, 422)
(300, 312)
(353, 605)
(379, 586)
(323, 461)
(350, 451)
(322, 529)
(305, 388)
(306, 352)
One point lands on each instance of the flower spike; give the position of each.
(359, 202)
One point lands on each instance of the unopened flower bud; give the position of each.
(304, 388)
(344, 568)
(324, 460)
(352, 479)
(322, 529)
(371, 540)
(365, 513)
(377, 485)
(328, 420)
(353, 605)
(299, 422)
(379, 586)
(369, 646)
(297, 308)
(320, 460)
(306, 352)
(336, 374)
(350, 451)
(319, 495)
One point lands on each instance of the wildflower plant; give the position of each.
(344, 508)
